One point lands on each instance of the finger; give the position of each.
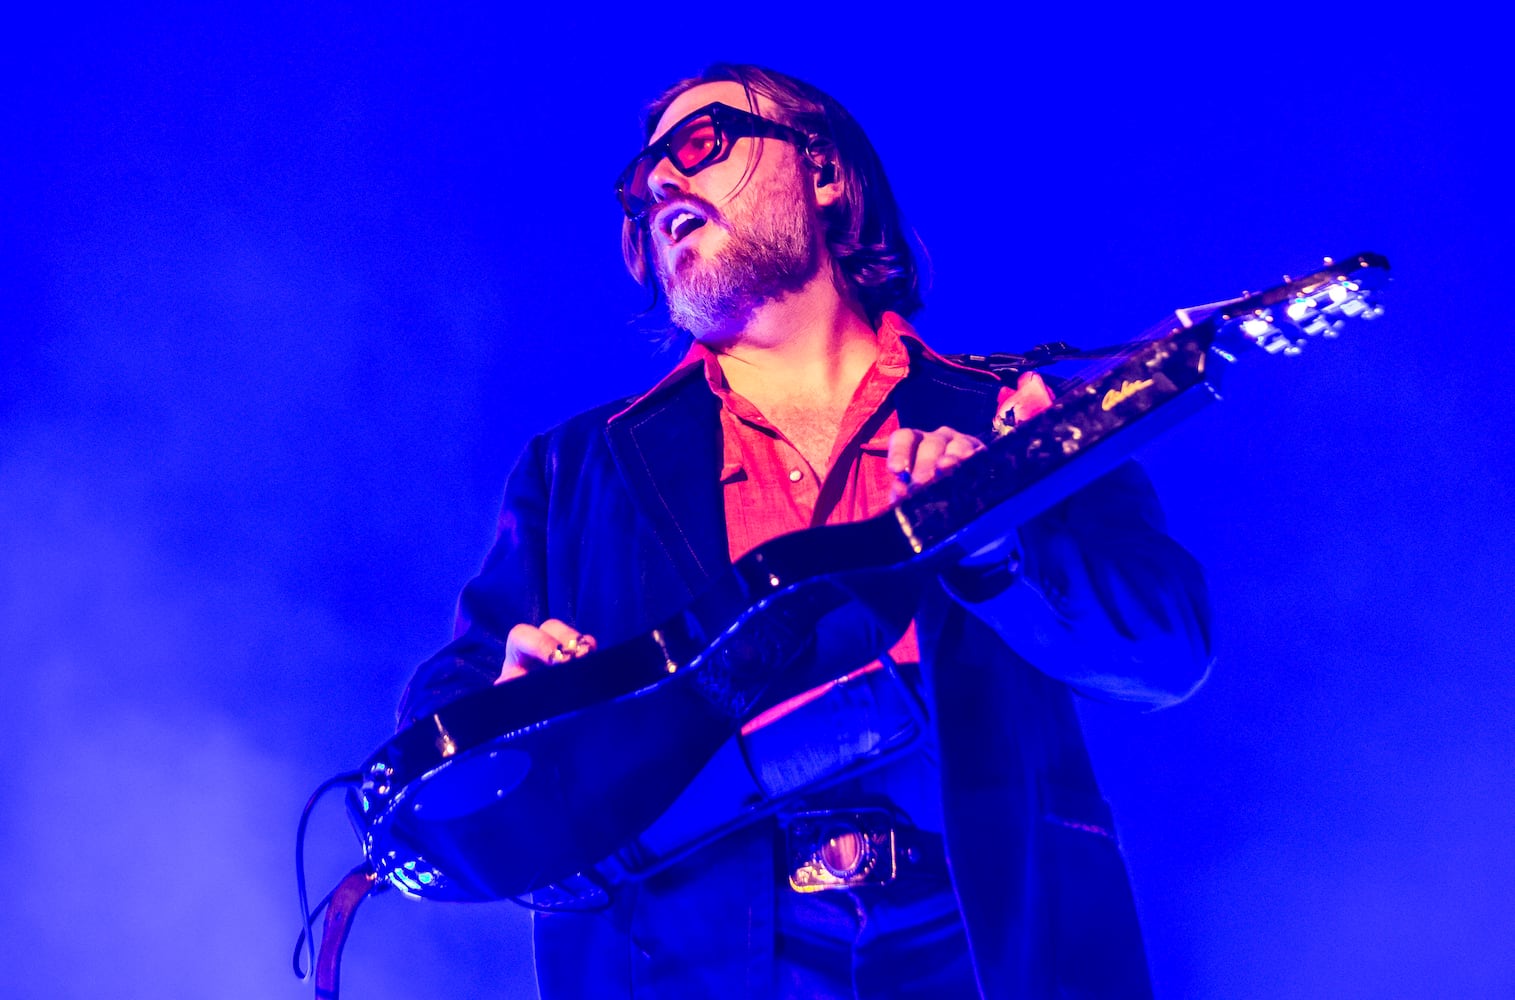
(961, 446)
(901, 454)
(1035, 388)
(565, 638)
(571, 642)
(899, 460)
(562, 633)
(1031, 396)
(527, 642)
(928, 456)
(949, 446)
(526, 648)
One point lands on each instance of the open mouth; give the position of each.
(678, 223)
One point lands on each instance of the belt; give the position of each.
(851, 848)
(824, 849)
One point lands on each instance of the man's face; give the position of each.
(754, 232)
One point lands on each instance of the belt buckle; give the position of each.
(840, 849)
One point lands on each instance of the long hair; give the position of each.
(864, 230)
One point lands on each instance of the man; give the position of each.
(927, 824)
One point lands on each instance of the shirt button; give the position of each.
(795, 475)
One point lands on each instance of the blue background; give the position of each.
(284, 293)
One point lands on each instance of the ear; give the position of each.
(830, 185)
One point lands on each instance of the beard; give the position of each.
(771, 252)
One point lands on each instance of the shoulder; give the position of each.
(589, 433)
(567, 447)
(587, 425)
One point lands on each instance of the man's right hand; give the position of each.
(528, 647)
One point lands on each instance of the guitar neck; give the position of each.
(1085, 433)
(1101, 421)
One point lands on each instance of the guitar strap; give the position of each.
(355, 887)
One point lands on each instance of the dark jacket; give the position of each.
(613, 521)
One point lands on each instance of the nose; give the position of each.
(663, 182)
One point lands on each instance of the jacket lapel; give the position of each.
(667, 447)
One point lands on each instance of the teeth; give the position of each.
(678, 220)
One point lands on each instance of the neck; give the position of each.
(815, 343)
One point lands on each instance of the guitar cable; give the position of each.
(1039, 356)
(307, 936)
(315, 914)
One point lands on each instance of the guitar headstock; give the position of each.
(1284, 318)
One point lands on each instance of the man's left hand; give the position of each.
(916, 457)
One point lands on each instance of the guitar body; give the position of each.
(523, 785)
(514, 787)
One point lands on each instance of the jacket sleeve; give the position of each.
(1103, 599)
(510, 589)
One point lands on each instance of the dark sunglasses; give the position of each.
(696, 141)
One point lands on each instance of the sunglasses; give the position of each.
(696, 141)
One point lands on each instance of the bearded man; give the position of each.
(760, 212)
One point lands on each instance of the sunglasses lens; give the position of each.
(635, 194)
(693, 143)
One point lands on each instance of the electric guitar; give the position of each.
(525, 784)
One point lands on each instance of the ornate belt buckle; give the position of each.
(840, 849)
